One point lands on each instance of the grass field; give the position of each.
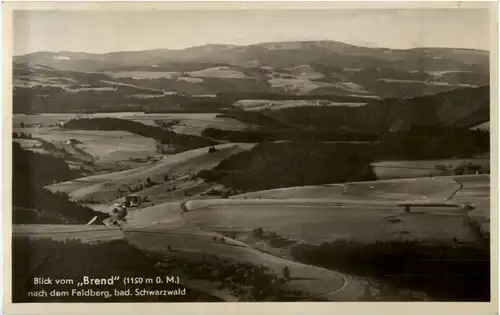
(82, 233)
(398, 189)
(303, 79)
(308, 279)
(276, 105)
(466, 189)
(141, 75)
(107, 188)
(219, 72)
(421, 168)
(313, 224)
(187, 123)
(362, 213)
(44, 119)
(108, 150)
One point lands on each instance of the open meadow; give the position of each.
(184, 123)
(173, 175)
(423, 168)
(93, 150)
(286, 225)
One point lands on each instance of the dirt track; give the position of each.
(364, 211)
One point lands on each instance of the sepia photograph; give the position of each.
(251, 155)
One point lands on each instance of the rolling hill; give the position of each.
(281, 176)
(278, 54)
(290, 68)
(461, 108)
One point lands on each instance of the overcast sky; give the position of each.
(106, 31)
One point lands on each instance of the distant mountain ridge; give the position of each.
(279, 54)
(69, 81)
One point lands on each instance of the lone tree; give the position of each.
(258, 232)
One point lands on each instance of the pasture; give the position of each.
(219, 72)
(193, 76)
(309, 279)
(459, 189)
(28, 143)
(422, 168)
(277, 104)
(360, 213)
(303, 79)
(142, 75)
(290, 218)
(106, 149)
(363, 211)
(187, 123)
(40, 119)
(157, 227)
(314, 224)
(430, 83)
(179, 168)
(439, 188)
(83, 233)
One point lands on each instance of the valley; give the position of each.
(290, 171)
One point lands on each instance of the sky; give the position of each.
(107, 31)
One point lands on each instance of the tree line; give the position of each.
(180, 141)
(252, 136)
(31, 172)
(288, 164)
(418, 142)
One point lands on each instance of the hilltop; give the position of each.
(291, 68)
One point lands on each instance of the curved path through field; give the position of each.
(364, 211)
(166, 221)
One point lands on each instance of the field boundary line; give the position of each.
(461, 186)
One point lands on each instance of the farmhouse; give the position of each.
(165, 148)
(469, 168)
(132, 201)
